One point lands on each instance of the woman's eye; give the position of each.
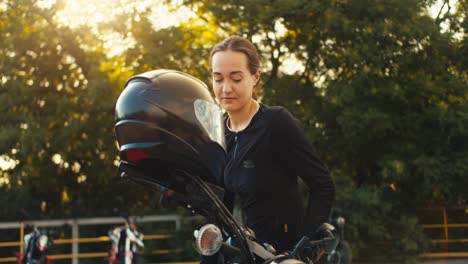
(218, 81)
(237, 80)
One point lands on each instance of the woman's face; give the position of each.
(233, 83)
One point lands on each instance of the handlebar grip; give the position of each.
(299, 245)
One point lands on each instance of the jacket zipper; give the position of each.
(235, 147)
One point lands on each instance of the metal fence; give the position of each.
(76, 239)
(448, 231)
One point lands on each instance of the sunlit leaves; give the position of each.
(383, 94)
(380, 88)
(57, 98)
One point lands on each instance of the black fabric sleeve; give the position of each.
(228, 200)
(301, 159)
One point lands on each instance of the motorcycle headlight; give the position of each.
(208, 239)
(42, 243)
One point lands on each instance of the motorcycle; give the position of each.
(170, 136)
(342, 254)
(216, 237)
(36, 244)
(125, 241)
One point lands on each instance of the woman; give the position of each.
(267, 151)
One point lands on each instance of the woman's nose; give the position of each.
(227, 87)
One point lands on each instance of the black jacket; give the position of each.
(264, 161)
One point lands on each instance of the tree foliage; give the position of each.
(381, 87)
(58, 97)
(383, 94)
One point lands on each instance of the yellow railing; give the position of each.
(446, 240)
(87, 240)
(76, 240)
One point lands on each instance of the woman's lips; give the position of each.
(228, 99)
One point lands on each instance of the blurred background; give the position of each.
(380, 86)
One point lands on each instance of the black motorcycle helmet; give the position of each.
(167, 120)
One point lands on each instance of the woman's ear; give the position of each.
(257, 76)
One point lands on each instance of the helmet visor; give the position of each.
(210, 117)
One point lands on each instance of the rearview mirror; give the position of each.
(329, 235)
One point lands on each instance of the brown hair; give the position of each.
(240, 44)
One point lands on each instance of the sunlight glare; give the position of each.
(7, 163)
(442, 7)
(435, 8)
(3, 6)
(92, 13)
(162, 17)
(85, 12)
(46, 3)
(116, 44)
(57, 159)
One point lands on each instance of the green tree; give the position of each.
(383, 96)
(57, 96)
(381, 90)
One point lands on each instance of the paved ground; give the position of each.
(448, 261)
(439, 261)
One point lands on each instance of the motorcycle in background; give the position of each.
(36, 244)
(342, 254)
(125, 241)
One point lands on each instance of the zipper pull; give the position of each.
(235, 147)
